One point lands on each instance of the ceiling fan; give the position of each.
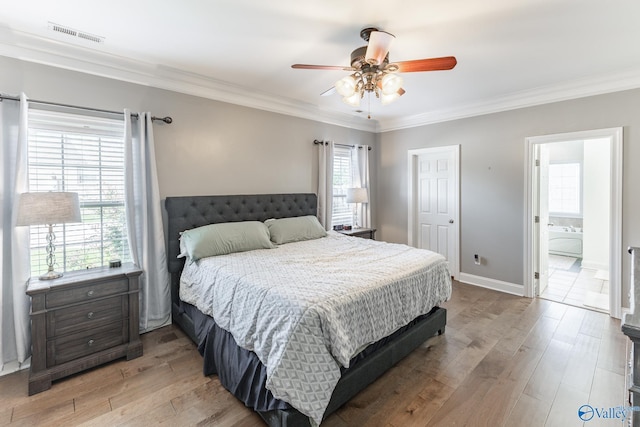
(372, 71)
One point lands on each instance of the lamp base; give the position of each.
(50, 275)
(51, 257)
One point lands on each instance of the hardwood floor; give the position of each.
(503, 361)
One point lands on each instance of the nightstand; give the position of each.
(365, 233)
(81, 320)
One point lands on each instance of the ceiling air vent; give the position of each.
(75, 33)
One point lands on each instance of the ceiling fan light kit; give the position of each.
(346, 86)
(373, 73)
(353, 100)
(389, 98)
(378, 47)
(391, 83)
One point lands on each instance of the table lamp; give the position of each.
(48, 208)
(355, 196)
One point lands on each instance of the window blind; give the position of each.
(83, 154)
(342, 213)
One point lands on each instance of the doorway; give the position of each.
(434, 194)
(574, 219)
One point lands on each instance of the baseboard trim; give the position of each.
(593, 265)
(496, 285)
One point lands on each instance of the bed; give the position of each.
(240, 370)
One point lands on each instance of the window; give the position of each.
(564, 189)
(83, 154)
(342, 179)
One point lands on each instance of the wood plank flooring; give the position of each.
(503, 361)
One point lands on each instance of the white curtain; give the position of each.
(360, 179)
(325, 183)
(15, 341)
(144, 222)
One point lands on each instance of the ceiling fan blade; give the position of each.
(378, 47)
(431, 64)
(329, 91)
(321, 67)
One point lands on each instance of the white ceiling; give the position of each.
(511, 53)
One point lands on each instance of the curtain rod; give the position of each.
(167, 119)
(316, 142)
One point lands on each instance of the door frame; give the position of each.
(541, 239)
(615, 135)
(413, 155)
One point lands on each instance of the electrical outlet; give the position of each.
(476, 259)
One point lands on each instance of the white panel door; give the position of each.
(436, 195)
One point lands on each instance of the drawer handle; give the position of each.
(90, 343)
(90, 315)
(90, 293)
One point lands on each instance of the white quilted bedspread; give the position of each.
(306, 308)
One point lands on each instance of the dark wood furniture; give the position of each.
(188, 212)
(365, 233)
(81, 320)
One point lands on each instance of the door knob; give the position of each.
(450, 221)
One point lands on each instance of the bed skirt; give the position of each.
(241, 372)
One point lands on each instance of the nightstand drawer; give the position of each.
(69, 347)
(97, 289)
(86, 316)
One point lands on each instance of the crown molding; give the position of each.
(41, 50)
(579, 88)
(52, 52)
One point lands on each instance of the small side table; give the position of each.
(81, 320)
(365, 233)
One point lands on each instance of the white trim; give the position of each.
(412, 156)
(496, 285)
(615, 232)
(27, 47)
(32, 48)
(576, 88)
(591, 265)
(615, 135)
(529, 205)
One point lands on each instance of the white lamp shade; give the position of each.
(357, 195)
(346, 86)
(379, 44)
(391, 83)
(388, 99)
(353, 100)
(48, 208)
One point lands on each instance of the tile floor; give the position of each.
(573, 285)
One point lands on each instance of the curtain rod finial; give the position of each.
(168, 120)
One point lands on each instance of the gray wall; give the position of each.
(217, 148)
(493, 173)
(211, 147)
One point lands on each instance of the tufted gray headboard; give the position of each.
(186, 212)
